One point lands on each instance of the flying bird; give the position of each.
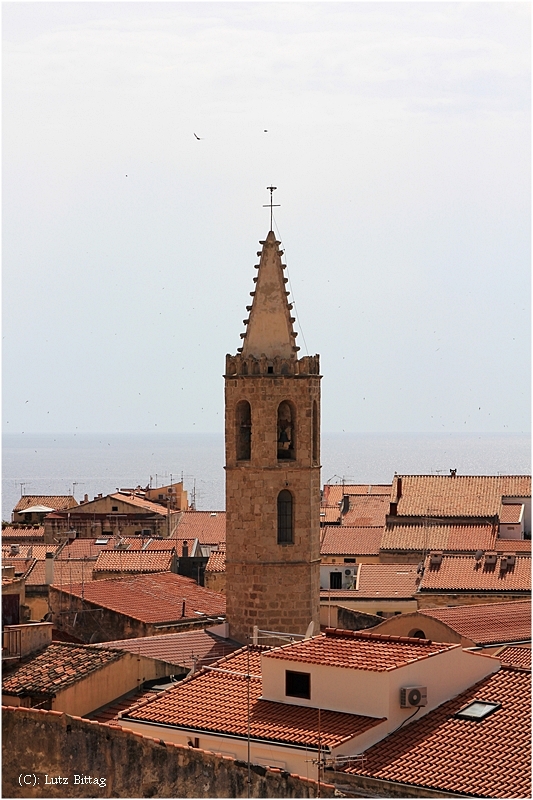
(198, 137)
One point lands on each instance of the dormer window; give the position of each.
(298, 684)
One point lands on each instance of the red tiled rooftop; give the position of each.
(329, 515)
(359, 650)
(216, 701)
(392, 581)
(459, 496)
(489, 758)
(334, 492)
(55, 668)
(133, 561)
(85, 548)
(464, 573)
(515, 657)
(152, 598)
(217, 561)
(437, 536)
(15, 535)
(110, 712)
(512, 546)
(54, 501)
(487, 623)
(140, 502)
(511, 513)
(367, 510)
(209, 527)
(348, 541)
(66, 573)
(37, 551)
(187, 649)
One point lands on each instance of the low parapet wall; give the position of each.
(51, 754)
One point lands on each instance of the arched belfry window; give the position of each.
(243, 424)
(285, 517)
(286, 431)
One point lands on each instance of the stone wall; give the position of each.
(37, 744)
(351, 620)
(445, 599)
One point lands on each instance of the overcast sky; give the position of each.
(398, 135)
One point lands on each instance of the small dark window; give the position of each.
(335, 580)
(286, 437)
(350, 561)
(285, 526)
(379, 613)
(270, 370)
(298, 684)
(161, 497)
(418, 634)
(243, 422)
(114, 508)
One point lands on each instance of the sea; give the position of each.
(91, 463)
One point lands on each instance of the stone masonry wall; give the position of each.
(37, 744)
(275, 586)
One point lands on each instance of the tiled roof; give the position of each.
(22, 565)
(329, 515)
(209, 527)
(55, 501)
(141, 502)
(84, 548)
(55, 668)
(341, 540)
(217, 561)
(15, 535)
(110, 712)
(512, 546)
(152, 598)
(185, 649)
(359, 650)
(460, 496)
(133, 561)
(216, 701)
(511, 513)
(487, 623)
(166, 544)
(515, 657)
(334, 492)
(37, 551)
(66, 573)
(438, 536)
(464, 573)
(392, 581)
(367, 510)
(489, 758)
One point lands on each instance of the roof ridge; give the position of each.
(381, 637)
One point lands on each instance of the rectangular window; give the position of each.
(298, 684)
(114, 508)
(335, 580)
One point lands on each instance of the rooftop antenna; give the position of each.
(271, 205)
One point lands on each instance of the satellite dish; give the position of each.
(478, 555)
(310, 629)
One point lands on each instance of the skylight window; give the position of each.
(101, 541)
(477, 710)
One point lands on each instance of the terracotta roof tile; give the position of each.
(329, 515)
(359, 650)
(392, 581)
(515, 657)
(217, 561)
(487, 623)
(133, 561)
(53, 669)
(511, 513)
(55, 501)
(400, 536)
(152, 598)
(216, 701)
(22, 565)
(185, 649)
(344, 540)
(512, 546)
(84, 548)
(15, 535)
(460, 496)
(66, 572)
(489, 758)
(28, 550)
(334, 492)
(464, 573)
(141, 502)
(109, 713)
(209, 527)
(367, 510)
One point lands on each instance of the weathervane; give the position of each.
(271, 205)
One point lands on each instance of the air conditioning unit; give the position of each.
(413, 696)
(348, 572)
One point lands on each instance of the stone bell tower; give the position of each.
(272, 466)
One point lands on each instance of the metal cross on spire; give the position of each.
(271, 205)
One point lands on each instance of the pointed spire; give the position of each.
(270, 331)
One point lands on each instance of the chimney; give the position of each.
(345, 507)
(49, 568)
(85, 498)
(398, 489)
(185, 550)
